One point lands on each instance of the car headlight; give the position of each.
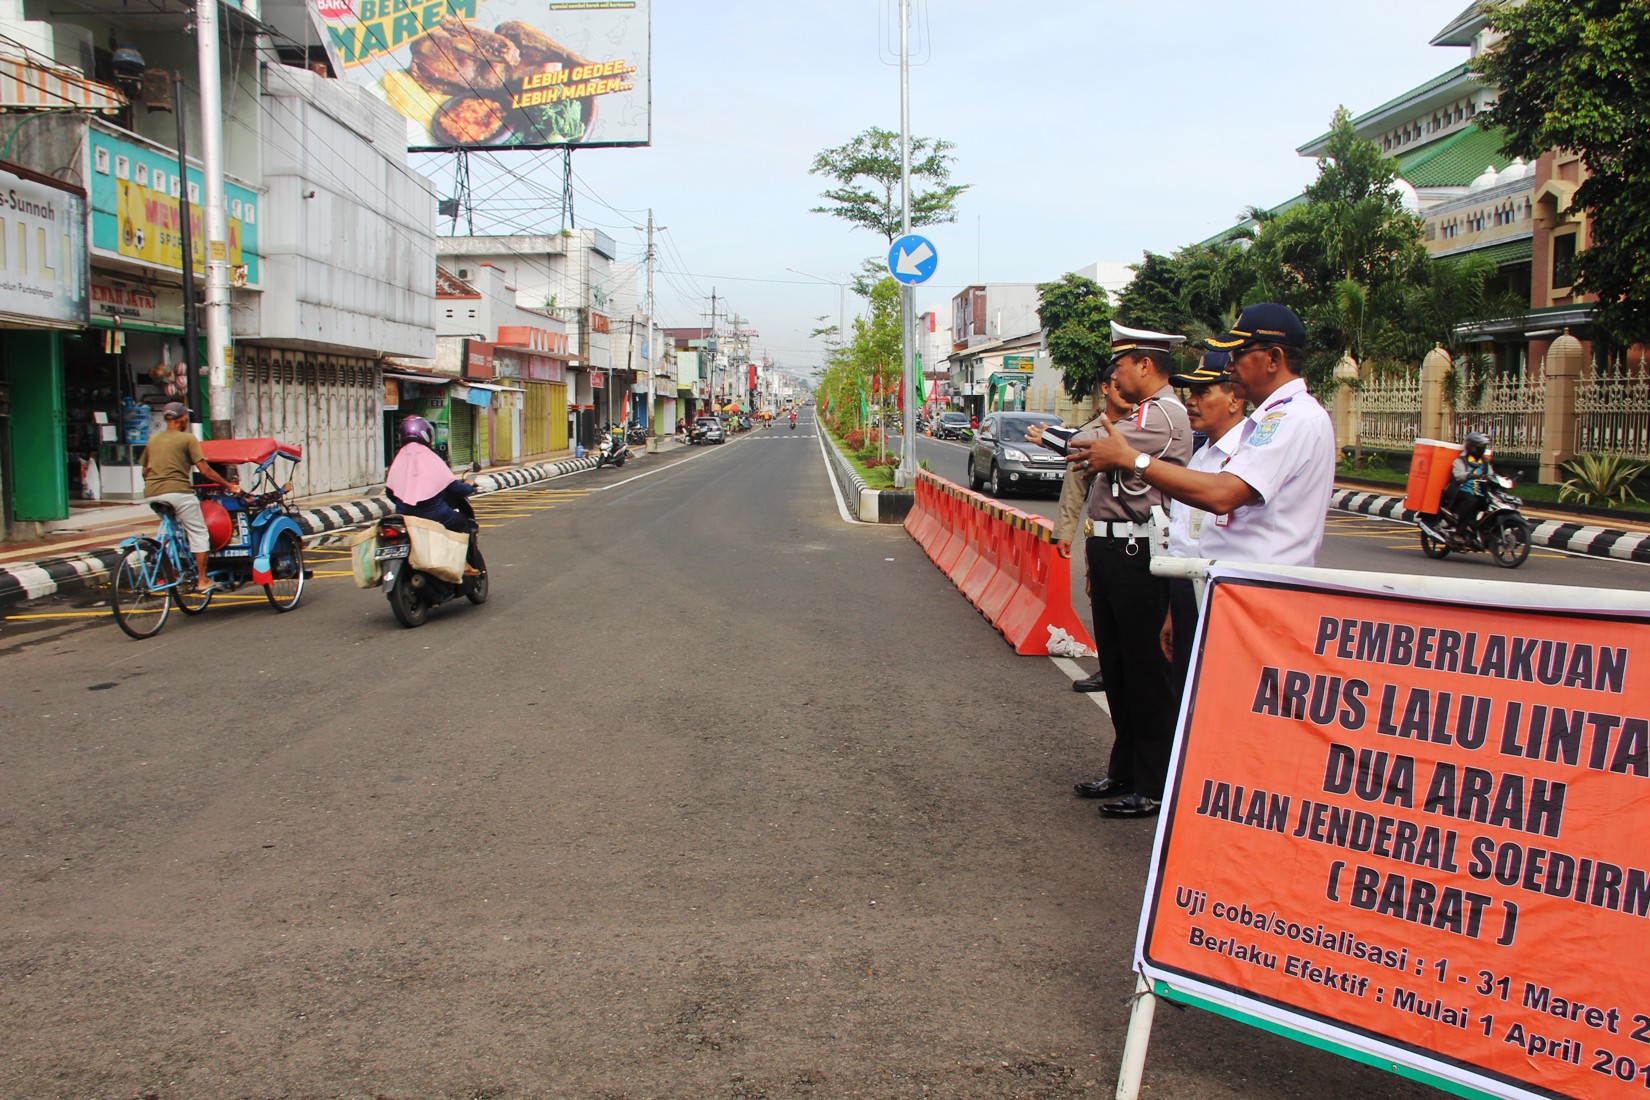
(1015, 456)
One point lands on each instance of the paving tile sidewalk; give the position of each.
(69, 560)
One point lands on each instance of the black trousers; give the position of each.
(1129, 605)
(1183, 610)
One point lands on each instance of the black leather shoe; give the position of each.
(1102, 788)
(1089, 683)
(1135, 805)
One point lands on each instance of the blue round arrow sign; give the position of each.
(913, 259)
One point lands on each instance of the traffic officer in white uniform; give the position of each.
(1270, 501)
(1127, 601)
(1217, 412)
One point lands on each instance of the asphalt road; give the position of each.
(717, 796)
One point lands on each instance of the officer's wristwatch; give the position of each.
(1141, 461)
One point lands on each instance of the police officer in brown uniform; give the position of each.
(1129, 604)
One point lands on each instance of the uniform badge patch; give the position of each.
(1268, 428)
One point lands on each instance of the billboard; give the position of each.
(499, 74)
(1408, 826)
(43, 273)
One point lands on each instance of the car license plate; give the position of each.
(391, 553)
(1051, 475)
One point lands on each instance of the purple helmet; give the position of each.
(417, 429)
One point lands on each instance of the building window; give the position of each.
(1564, 261)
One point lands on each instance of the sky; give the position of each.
(1088, 130)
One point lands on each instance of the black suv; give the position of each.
(951, 425)
(1003, 458)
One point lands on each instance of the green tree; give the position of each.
(1152, 298)
(1343, 258)
(1077, 317)
(1570, 74)
(867, 175)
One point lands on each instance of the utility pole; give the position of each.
(906, 475)
(218, 360)
(651, 368)
(193, 391)
(712, 345)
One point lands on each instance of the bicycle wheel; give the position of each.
(286, 566)
(189, 601)
(138, 594)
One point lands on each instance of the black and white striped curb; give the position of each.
(868, 505)
(1577, 538)
(72, 572)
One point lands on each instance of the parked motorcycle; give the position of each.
(636, 435)
(412, 592)
(1500, 529)
(613, 450)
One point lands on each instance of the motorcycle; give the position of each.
(1500, 528)
(793, 423)
(636, 435)
(614, 449)
(412, 592)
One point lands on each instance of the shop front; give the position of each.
(43, 305)
(535, 359)
(409, 391)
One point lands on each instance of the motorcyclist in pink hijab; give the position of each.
(420, 482)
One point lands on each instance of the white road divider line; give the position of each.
(1077, 672)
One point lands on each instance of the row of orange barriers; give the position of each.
(1003, 560)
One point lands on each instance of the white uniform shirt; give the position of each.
(1188, 522)
(1287, 456)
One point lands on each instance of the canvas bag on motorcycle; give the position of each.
(363, 557)
(436, 550)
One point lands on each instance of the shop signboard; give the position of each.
(43, 273)
(1409, 828)
(541, 368)
(118, 302)
(513, 74)
(1024, 363)
(478, 359)
(506, 364)
(134, 198)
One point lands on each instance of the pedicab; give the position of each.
(255, 540)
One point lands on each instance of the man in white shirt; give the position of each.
(1272, 498)
(1216, 411)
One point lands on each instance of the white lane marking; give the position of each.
(1077, 672)
(836, 491)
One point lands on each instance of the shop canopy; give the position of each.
(257, 451)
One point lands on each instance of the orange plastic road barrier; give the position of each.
(993, 533)
(974, 519)
(1002, 560)
(920, 519)
(956, 511)
(1044, 599)
(934, 535)
(1011, 559)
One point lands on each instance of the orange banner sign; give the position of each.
(1415, 828)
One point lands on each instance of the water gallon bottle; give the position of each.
(136, 419)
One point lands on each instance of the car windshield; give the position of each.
(1014, 430)
(954, 418)
(709, 422)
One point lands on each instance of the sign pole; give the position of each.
(906, 473)
(1135, 1040)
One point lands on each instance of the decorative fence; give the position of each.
(1510, 409)
(1612, 413)
(1389, 412)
